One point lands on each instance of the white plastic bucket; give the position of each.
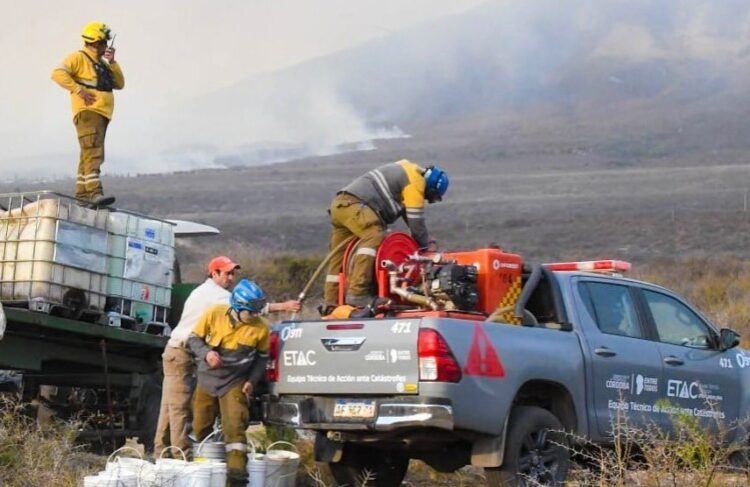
(256, 467)
(123, 471)
(169, 472)
(197, 475)
(210, 450)
(218, 474)
(167, 475)
(117, 479)
(281, 466)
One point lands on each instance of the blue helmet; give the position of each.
(436, 183)
(247, 296)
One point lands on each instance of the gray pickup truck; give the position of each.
(455, 391)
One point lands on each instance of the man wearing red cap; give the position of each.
(178, 363)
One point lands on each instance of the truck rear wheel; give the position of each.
(368, 466)
(536, 451)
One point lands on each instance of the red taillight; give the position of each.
(436, 361)
(272, 367)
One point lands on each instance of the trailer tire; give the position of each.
(149, 404)
(385, 468)
(536, 451)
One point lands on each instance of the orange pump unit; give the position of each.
(498, 276)
(477, 281)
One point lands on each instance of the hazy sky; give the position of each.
(169, 50)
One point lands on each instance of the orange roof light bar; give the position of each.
(590, 266)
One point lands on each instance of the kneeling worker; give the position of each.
(230, 343)
(364, 208)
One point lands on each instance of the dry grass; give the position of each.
(35, 456)
(31, 456)
(690, 455)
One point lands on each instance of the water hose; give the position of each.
(301, 297)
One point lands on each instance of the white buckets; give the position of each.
(210, 451)
(120, 471)
(181, 473)
(197, 475)
(111, 479)
(213, 454)
(169, 472)
(166, 472)
(256, 467)
(218, 474)
(277, 468)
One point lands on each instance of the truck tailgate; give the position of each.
(348, 357)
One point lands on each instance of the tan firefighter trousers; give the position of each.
(174, 414)
(235, 417)
(349, 216)
(91, 128)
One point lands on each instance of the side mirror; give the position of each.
(728, 339)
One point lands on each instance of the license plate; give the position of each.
(351, 409)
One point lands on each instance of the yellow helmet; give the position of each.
(95, 32)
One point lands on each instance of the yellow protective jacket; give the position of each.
(77, 72)
(243, 348)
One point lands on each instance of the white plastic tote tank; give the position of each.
(140, 265)
(52, 252)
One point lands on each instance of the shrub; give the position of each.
(691, 454)
(32, 455)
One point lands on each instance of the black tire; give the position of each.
(385, 468)
(536, 451)
(740, 459)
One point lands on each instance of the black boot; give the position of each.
(102, 201)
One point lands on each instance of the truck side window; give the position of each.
(676, 323)
(611, 307)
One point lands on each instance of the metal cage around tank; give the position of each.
(52, 253)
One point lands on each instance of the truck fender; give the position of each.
(488, 450)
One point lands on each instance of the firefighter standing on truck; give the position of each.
(365, 207)
(230, 343)
(90, 75)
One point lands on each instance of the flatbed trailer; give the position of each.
(106, 378)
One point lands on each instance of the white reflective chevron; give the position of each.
(366, 251)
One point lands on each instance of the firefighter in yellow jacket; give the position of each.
(90, 75)
(230, 343)
(365, 207)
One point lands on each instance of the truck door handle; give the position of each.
(604, 352)
(670, 360)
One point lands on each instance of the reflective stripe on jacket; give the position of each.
(395, 190)
(243, 348)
